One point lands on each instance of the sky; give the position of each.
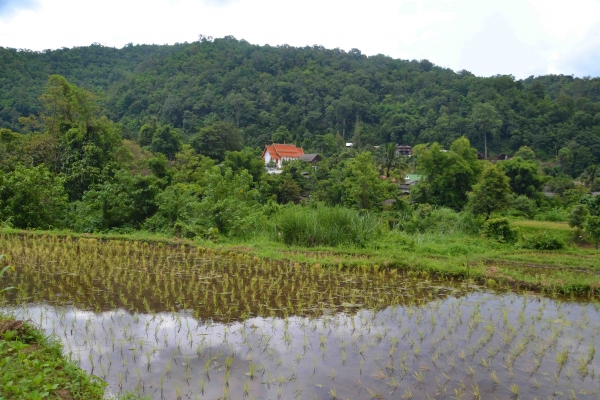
(485, 37)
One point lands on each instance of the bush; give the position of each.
(499, 229)
(553, 215)
(427, 218)
(543, 241)
(524, 206)
(325, 226)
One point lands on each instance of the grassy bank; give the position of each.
(572, 269)
(33, 367)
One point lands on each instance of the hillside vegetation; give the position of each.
(316, 94)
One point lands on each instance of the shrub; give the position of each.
(553, 215)
(578, 217)
(325, 226)
(543, 241)
(524, 206)
(499, 229)
(427, 218)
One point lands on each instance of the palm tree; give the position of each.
(390, 157)
(590, 175)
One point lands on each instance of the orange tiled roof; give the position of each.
(278, 151)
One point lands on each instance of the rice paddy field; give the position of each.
(185, 322)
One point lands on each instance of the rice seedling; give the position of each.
(192, 321)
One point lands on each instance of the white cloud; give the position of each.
(512, 36)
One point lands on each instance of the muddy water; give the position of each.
(180, 323)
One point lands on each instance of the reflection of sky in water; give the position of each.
(359, 355)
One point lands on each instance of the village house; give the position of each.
(278, 153)
(409, 182)
(404, 150)
(311, 158)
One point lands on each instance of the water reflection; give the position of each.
(482, 343)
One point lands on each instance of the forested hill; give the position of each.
(312, 91)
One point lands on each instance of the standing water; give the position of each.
(181, 322)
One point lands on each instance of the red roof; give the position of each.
(277, 151)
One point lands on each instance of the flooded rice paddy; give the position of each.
(182, 322)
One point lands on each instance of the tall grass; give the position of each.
(325, 226)
(425, 218)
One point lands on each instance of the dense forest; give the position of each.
(313, 92)
(168, 139)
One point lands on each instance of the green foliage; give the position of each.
(217, 139)
(524, 206)
(363, 188)
(165, 140)
(449, 175)
(591, 176)
(245, 160)
(560, 184)
(32, 198)
(425, 218)
(122, 202)
(491, 194)
(543, 241)
(592, 228)
(33, 367)
(592, 203)
(487, 120)
(556, 214)
(225, 204)
(325, 226)
(282, 135)
(526, 153)
(3, 271)
(499, 229)
(525, 178)
(578, 216)
(312, 91)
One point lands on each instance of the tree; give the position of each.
(245, 160)
(524, 176)
(390, 157)
(166, 141)
(448, 175)
(238, 103)
(526, 153)
(590, 176)
(124, 201)
(363, 188)
(578, 217)
(146, 133)
(491, 194)
(487, 120)
(90, 146)
(217, 139)
(32, 198)
(357, 98)
(67, 106)
(282, 135)
(592, 227)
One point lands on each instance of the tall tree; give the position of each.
(448, 175)
(217, 139)
(590, 176)
(166, 140)
(487, 120)
(525, 178)
(492, 193)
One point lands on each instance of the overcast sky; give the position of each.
(486, 37)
